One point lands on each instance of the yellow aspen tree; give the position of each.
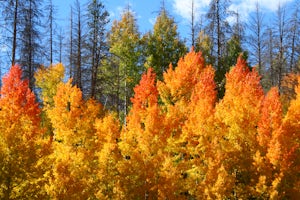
(19, 139)
(73, 158)
(237, 116)
(108, 154)
(47, 79)
(142, 140)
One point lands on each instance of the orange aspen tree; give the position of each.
(237, 116)
(176, 89)
(178, 83)
(289, 83)
(73, 158)
(289, 157)
(142, 140)
(175, 92)
(269, 137)
(19, 139)
(271, 118)
(197, 135)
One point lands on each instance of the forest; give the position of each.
(144, 116)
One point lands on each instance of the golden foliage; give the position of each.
(179, 140)
(20, 135)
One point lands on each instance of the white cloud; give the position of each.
(120, 10)
(184, 7)
(152, 20)
(112, 14)
(244, 7)
(3, 48)
(272, 6)
(116, 13)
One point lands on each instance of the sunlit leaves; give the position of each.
(108, 153)
(19, 139)
(236, 117)
(75, 144)
(47, 79)
(179, 140)
(163, 45)
(178, 83)
(142, 140)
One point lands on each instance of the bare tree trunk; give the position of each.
(218, 35)
(294, 28)
(60, 39)
(94, 65)
(30, 63)
(15, 33)
(51, 31)
(78, 59)
(71, 45)
(258, 37)
(281, 32)
(193, 28)
(271, 61)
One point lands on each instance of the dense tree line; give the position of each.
(140, 118)
(106, 59)
(179, 141)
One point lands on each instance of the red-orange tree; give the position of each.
(142, 140)
(179, 141)
(19, 136)
(269, 137)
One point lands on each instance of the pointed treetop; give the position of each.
(163, 6)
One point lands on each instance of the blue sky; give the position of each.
(147, 10)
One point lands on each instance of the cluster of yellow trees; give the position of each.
(179, 140)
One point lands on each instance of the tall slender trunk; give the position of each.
(78, 63)
(193, 24)
(30, 56)
(218, 35)
(51, 32)
(71, 45)
(15, 33)
(294, 29)
(271, 57)
(60, 45)
(94, 64)
(8, 189)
